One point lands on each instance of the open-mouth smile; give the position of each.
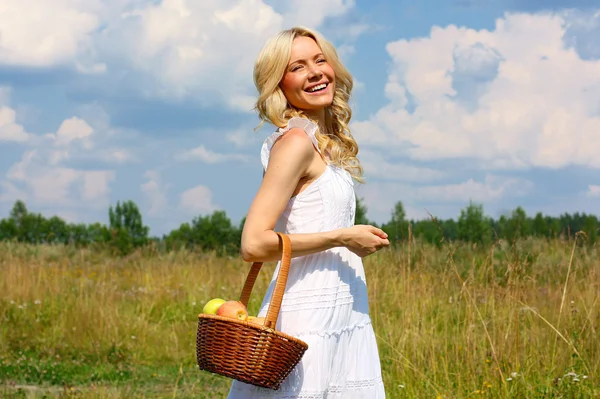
(317, 88)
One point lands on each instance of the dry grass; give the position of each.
(451, 322)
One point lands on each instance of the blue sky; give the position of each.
(495, 101)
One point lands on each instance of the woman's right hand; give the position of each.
(364, 240)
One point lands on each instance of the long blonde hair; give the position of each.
(272, 106)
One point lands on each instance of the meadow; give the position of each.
(512, 320)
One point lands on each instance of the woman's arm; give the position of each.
(289, 161)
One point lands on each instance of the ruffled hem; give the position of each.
(308, 126)
(344, 364)
(358, 389)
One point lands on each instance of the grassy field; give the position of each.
(512, 321)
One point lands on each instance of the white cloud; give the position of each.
(380, 197)
(197, 200)
(154, 192)
(177, 49)
(73, 129)
(515, 96)
(490, 190)
(45, 33)
(244, 136)
(205, 155)
(10, 130)
(374, 166)
(314, 12)
(42, 174)
(593, 190)
(96, 185)
(117, 155)
(194, 49)
(52, 185)
(10, 193)
(47, 185)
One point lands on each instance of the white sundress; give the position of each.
(325, 302)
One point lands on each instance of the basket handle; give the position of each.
(284, 268)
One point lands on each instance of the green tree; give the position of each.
(590, 227)
(8, 229)
(397, 227)
(126, 227)
(210, 233)
(553, 225)
(473, 226)
(429, 230)
(360, 216)
(27, 226)
(517, 226)
(57, 231)
(18, 218)
(540, 226)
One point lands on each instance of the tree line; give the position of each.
(126, 231)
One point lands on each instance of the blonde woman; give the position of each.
(307, 192)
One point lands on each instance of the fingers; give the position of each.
(378, 232)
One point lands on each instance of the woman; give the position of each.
(307, 192)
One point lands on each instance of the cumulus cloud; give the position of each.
(154, 192)
(43, 173)
(73, 129)
(46, 33)
(513, 97)
(593, 191)
(174, 49)
(314, 12)
(205, 155)
(96, 184)
(375, 166)
(10, 130)
(197, 200)
(55, 185)
(381, 196)
(10, 193)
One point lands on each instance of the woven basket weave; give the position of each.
(245, 351)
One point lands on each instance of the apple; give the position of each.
(212, 306)
(233, 309)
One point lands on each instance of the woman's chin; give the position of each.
(318, 103)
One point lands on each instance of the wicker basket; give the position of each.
(248, 352)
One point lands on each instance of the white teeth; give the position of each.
(319, 87)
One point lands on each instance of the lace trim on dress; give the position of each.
(321, 298)
(349, 387)
(331, 333)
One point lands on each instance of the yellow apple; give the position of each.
(212, 306)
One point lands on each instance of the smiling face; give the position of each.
(309, 80)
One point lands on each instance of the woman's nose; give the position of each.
(314, 71)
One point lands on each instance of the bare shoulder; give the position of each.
(294, 145)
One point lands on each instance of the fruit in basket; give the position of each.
(233, 309)
(212, 306)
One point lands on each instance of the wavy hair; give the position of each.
(272, 105)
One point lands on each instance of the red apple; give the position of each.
(233, 309)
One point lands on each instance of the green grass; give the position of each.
(512, 321)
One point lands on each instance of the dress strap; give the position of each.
(308, 126)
